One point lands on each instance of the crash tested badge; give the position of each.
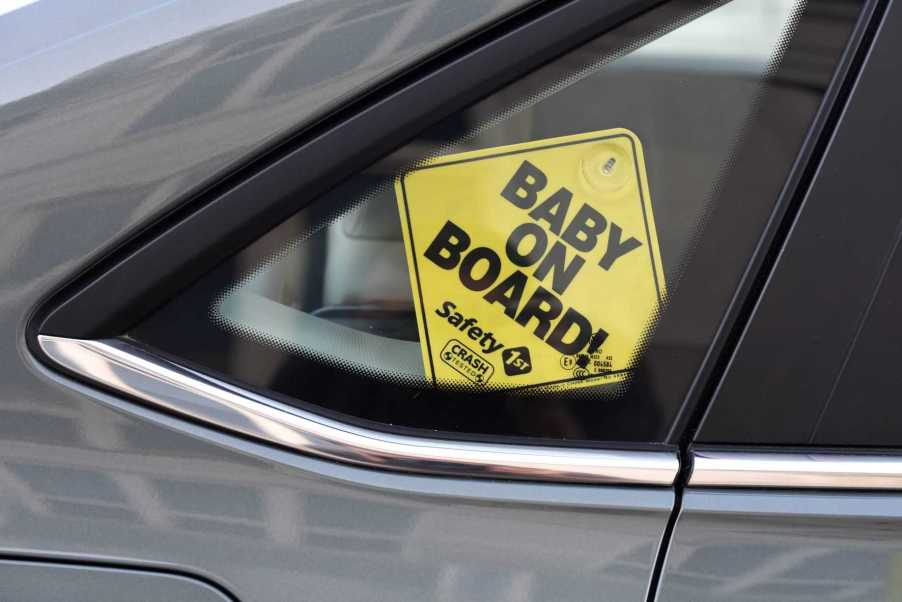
(533, 264)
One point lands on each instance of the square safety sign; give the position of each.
(533, 264)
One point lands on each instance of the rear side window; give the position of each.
(552, 262)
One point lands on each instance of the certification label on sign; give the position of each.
(533, 264)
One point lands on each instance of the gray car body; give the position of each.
(113, 115)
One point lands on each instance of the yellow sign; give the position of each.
(533, 264)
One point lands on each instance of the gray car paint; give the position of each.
(153, 100)
(60, 582)
(755, 546)
(269, 529)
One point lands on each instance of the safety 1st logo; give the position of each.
(534, 264)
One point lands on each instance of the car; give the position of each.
(479, 300)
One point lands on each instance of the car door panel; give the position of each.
(70, 582)
(784, 545)
(271, 525)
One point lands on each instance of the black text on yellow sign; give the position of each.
(534, 264)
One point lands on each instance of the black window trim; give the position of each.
(147, 268)
(736, 316)
(759, 340)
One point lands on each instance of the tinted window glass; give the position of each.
(552, 262)
(817, 363)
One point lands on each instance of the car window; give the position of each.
(552, 261)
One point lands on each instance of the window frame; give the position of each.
(146, 269)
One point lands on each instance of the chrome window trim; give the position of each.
(166, 385)
(796, 470)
